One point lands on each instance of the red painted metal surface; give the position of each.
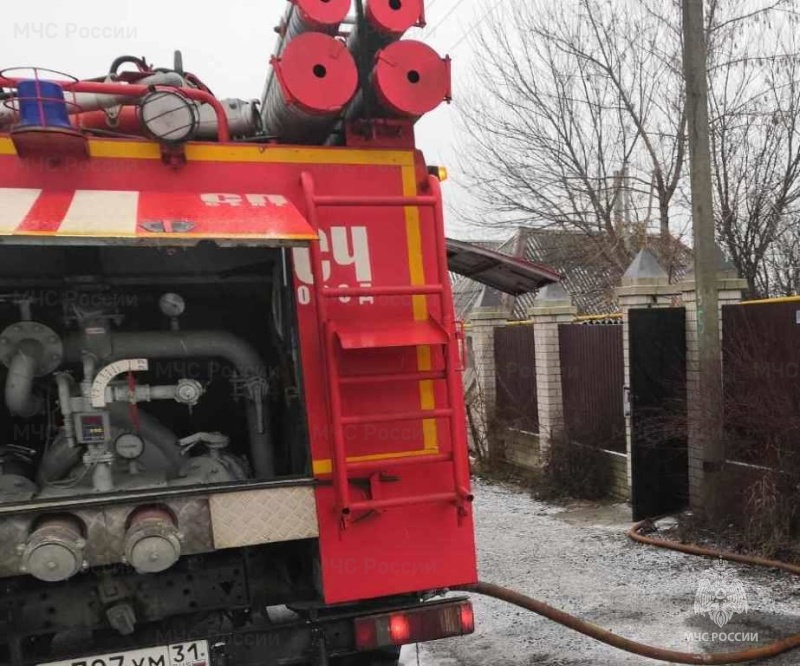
(414, 334)
(411, 79)
(126, 122)
(148, 214)
(393, 18)
(322, 15)
(317, 74)
(380, 260)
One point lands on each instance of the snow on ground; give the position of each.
(578, 559)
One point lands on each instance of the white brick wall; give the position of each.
(482, 334)
(548, 370)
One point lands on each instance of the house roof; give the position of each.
(590, 267)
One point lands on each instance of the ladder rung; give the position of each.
(372, 465)
(399, 416)
(355, 292)
(394, 377)
(433, 498)
(375, 201)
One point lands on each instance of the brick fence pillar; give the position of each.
(483, 322)
(730, 288)
(552, 306)
(644, 285)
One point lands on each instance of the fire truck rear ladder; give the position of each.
(343, 470)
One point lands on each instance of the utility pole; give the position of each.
(707, 417)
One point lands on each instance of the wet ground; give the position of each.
(577, 558)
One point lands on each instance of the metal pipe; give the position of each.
(85, 102)
(385, 22)
(243, 119)
(65, 382)
(135, 91)
(408, 80)
(57, 462)
(141, 394)
(19, 386)
(302, 16)
(316, 79)
(140, 63)
(194, 344)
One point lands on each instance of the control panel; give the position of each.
(92, 427)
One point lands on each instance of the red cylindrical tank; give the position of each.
(393, 17)
(313, 16)
(126, 122)
(316, 78)
(386, 22)
(409, 79)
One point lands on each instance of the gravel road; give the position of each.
(578, 559)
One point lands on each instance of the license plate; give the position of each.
(179, 654)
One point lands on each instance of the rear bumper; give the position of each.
(267, 641)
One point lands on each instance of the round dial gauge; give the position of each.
(172, 305)
(129, 446)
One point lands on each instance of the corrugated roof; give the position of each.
(590, 267)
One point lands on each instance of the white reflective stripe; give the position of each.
(15, 204)
(102, 212)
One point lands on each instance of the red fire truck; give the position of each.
(232, 419)
(232, 425)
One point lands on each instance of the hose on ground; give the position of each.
(635, 534)
(641, 649)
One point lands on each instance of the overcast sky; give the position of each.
(228, 48)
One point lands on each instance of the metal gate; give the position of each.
(659, 454)
(761, 373)
(592, 378)
(515, 377)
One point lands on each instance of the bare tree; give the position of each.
(755, 101)
(548, 134)
(783, 259)
(576, 92)
(638, 53)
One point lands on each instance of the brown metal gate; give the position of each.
(515, 373)
(761, 375)
(592, 383)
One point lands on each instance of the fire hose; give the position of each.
(641, 649)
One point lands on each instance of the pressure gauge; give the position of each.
(129, 446)
(172, 305)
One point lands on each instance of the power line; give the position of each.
(474, 27)
(444, 18)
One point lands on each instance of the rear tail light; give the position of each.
(399, 629)
(467, 619)
(414, 626)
